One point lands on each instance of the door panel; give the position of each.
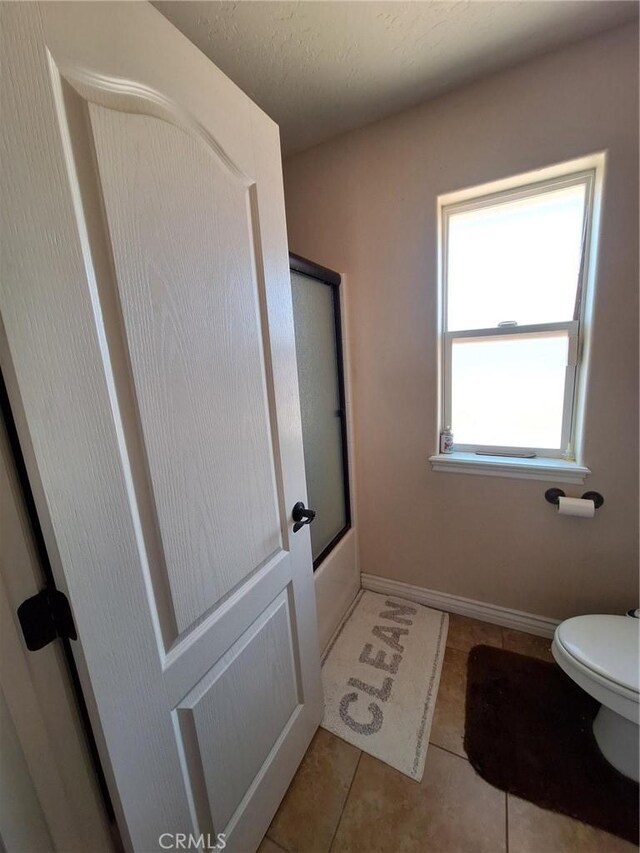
(147, 311)
(239, 710)
(191, 315)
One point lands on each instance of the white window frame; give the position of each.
(548, 461)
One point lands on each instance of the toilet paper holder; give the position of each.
(553, 497)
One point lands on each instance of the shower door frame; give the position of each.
(333, 280)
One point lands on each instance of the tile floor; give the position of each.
(344, 801)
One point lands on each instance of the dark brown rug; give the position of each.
(528, 732)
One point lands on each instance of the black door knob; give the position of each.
(301, 515)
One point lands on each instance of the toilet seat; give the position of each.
(607, 645)
(602, 654)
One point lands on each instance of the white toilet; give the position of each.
(602, 655)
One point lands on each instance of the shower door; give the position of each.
(316, 312)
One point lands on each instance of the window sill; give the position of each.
(558, 470)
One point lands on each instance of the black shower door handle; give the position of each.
(301, 516)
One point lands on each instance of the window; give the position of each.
(514, 280)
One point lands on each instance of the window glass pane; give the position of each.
(317, 357)
(508, 391)
(518, 260)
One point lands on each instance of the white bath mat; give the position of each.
(380, 676)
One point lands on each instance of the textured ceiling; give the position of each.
(321, 68)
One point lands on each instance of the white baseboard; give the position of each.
(517, 619)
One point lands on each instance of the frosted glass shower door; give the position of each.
(316, 312)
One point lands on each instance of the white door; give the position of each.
(150, 361)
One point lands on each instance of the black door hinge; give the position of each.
(44, 617)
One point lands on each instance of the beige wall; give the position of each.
(365, 204)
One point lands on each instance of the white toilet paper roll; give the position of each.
(577, 507)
